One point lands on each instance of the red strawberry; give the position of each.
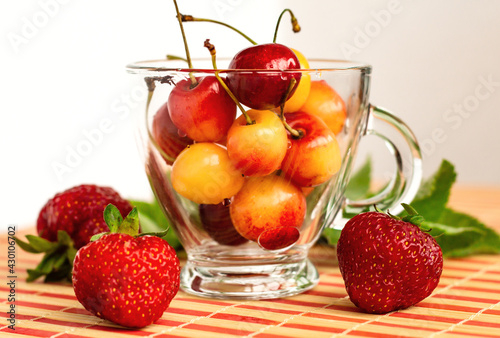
(388, 263)
(66, 223)
(126, 278)
(78, 211)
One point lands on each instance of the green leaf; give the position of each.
(40, 244)
(433, 195)
(57, 261)
(160, 234)
(359, 183)
(130, 225)
(97, 236)
(442, 229)
(63, 238)
(481, 240)
(70, 254)
(331, 235)
(153, 220)
(33, 275)
(112, 217)
(25, 246)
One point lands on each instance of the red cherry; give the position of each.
(313, 158)
(263, 91)
(168, 136)
(264, 206)
(216, 221)
(204, 112)
(257, 149)
(279, 238)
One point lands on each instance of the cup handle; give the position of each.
(404, 185)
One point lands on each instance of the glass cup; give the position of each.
(245, 269)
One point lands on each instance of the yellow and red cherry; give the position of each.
(204, 174)
(271, 208)
(324, 102)
(260, 90)
(302, 92)
(167, 136)
(203, 111)
(257, 149)
(216, 221)
(314, 157)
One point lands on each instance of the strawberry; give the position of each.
(124, 277)
(66, 223)
(388, 263)
(78, 211)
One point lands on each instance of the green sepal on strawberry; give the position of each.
(388, 263)
(126, 277)
(57, 262)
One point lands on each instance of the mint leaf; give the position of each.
(331, 235)
(433, 194)
(480, 240)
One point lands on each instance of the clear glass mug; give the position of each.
(246, 270)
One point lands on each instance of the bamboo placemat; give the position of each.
(466, 302)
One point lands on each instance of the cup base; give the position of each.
(249, 282)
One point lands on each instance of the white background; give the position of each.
(63, 77)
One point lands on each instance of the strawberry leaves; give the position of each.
(153, 220)
(117, 224)
(57, 262)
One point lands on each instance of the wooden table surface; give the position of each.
(466, 302)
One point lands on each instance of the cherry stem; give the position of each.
(211, 49)
(294, 132)
(176, 57)
(190, 18)
(295, 23)
(186, 48)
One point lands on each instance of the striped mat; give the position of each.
(466, 302)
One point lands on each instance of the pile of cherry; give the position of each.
(250, 173)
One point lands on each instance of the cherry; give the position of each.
(216, 221)
(263, 90)
(324, 102)
(302, 92)
(314, 156)
(167, 136)
(204, 174)
(257, 149)
(266, 204)
(200, 107)
(204, 112)
(279, 238)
